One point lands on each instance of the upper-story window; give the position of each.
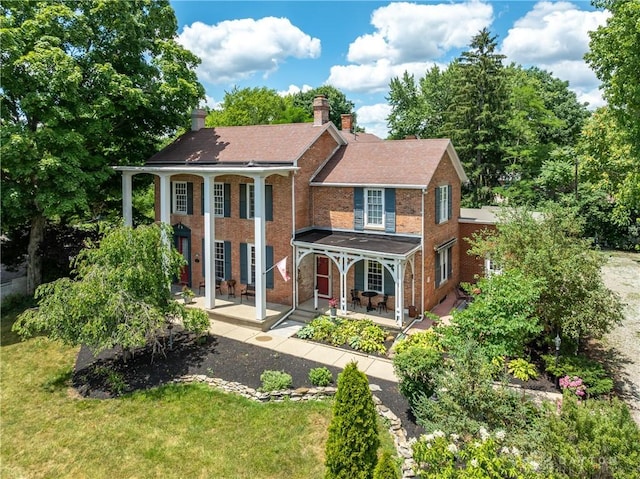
(443, 203)
(218, 199)
(180, 197)
(374, 207)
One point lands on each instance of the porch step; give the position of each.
(303, 316)
(265, 325)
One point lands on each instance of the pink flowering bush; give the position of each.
(333, 303)
(573, 384)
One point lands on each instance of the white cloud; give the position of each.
(555, 36)
(408, 37)
(373, 118)
(235, 49)
(210, 102)
(293, 89)
(374, 78)
(592, 97)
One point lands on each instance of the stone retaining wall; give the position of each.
(398, 433)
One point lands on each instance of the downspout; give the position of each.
(293, 235)
(422, 259)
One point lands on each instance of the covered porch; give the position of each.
(347, 253)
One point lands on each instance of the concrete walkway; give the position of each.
(280, 339)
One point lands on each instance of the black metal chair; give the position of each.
(355, 298)
(383, 304)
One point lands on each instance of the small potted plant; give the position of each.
(187, 294)
(333, 305)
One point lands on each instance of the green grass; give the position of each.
(172, 431)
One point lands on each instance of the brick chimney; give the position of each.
(347, 121)
(197, 119)
(320, 110)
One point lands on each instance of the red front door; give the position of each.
(183, 247)
(323, 276)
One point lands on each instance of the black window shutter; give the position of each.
(171, 196)
(437, 268)
(268, 193)
(390, 210)
(227, 260)
(227, 200)
(203, 258)
(189, 198)
(243, 200)
(449, 263)
(450, 202)
(437, 205)
(389, 283)
(358, 208)
(359, 275)
(202, 197)
(243, 263)
(269, 264)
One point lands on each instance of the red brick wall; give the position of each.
(471, 266)
(435, 234)
(309, 164)
(237, 230)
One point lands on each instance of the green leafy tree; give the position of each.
(420, 109)
(338, 102)
(503, 317)
(248, 106)
(352, 446)
(607, 164)
(615, 58)
(478, 117)
(120, 295)
(84, 85)
(548, 247)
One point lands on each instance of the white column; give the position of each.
(165, 199)
(165, 216)
(399, 278)
(260, 239)
(209, 242)
(127, 205)
(342, 266)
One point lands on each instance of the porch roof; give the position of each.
(378, 244)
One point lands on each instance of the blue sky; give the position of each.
(358, 46)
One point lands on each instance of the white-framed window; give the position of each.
(218, 199)
(443, 203)
(251, 197)
(443, 265)
(218, 265)
(180, 197)
(251, 263)
(374, 207)
(491, 267)
(374, 276)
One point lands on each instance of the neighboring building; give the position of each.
(348, 211)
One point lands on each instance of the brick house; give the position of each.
(347, 211)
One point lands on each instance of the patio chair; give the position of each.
(203, 284)
(383, 304)
(355, 298)
(249, 290)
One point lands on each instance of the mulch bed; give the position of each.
(218, 357)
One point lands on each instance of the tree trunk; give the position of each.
(34, 255)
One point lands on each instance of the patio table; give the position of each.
(369, 294)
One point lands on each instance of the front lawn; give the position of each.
(171, 431)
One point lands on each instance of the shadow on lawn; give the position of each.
(108, 375)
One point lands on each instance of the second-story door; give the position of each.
(323, 276)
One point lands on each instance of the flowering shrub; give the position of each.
(573, 384)
(439, 456)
